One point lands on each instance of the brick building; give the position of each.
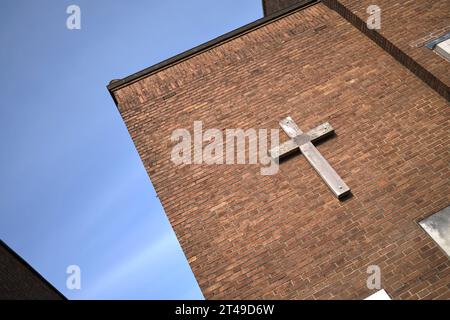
(19, 281)
(273, 6)
(285, 236)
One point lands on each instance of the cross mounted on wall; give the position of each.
(303, 141)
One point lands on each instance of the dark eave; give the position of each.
(118, 84)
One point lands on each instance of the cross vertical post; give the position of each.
(317, 161)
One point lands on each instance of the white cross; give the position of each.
(303, 141)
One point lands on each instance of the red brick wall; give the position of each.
(18, 281)
(286, 236)
(409, 25)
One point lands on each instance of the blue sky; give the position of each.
(73, 189)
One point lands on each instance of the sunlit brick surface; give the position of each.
(286, 236)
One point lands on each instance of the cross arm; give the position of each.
(290, 146)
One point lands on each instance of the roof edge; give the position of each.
(118, 84)
(31, 269)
